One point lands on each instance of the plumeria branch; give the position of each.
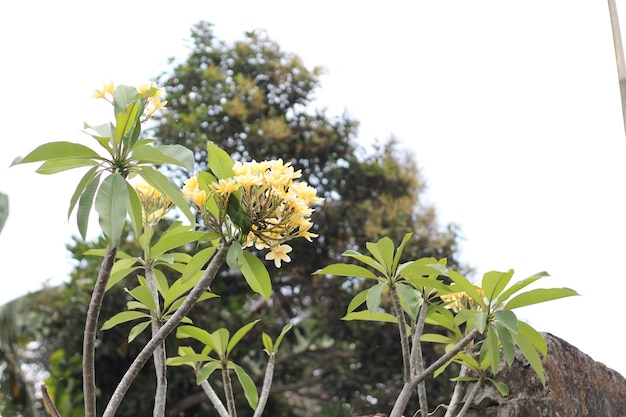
(217, 403)
(200, 288)
(265, 390)
(91, 324)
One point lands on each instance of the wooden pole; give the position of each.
(619, 57)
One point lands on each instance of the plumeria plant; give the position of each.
(241, 205)
(480, 326)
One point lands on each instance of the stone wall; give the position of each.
(576, 386)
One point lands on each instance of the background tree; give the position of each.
(256, 102)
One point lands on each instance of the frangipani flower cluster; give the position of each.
(279, 208)
(150, 93)
(459, 301)
(154, 204)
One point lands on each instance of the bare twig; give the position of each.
(160, 368)
(91, 324)
(47, 400)
(619, 57)
(228, 391)
(217, 403)
(265, 390)
(417, 359)
(205, 281)
(404, 340)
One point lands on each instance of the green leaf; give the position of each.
(537, 296)
(194, 332)
(502, 388)
(494, 358)
(123, 317)
(466, 286)
(85, 203)
(167, 187)
(197, 262)
(346, 270)
(111, 205)
(529, 351)
(249, 388)
(219, 341)
(180, 153)
(382, 252)
(411, 299)
(508, 319)
(220, 163)
(267, 343)
(357, 301)
(189, 359)
(521, 284)
(120, 270)
(137, 330)
(367, 260)
(58, 150)
(495, 282)
(396, 258)
(367, 316)
(143, 295)
(206, 371)
(506, 340)
(54, 166)
(234, 252)
(82, 184)
(124, 96)
(423, 267)
(169, 241)
(437, 338)
(135, 210)
(373, 297)
(148, 154)
(534, 337)
(480, 320)
(239, 334)
(281, 336)
(256, 274)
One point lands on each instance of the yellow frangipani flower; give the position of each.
(225, 186)
(106, 92)
(193, 192)
(154, 204)
(279, 254)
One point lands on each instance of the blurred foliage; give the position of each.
(256, 102)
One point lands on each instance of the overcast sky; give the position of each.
(511, 109)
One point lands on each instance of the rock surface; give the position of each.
(576, 386)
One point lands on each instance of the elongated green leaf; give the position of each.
(357, 301)
(267, 343)
(180, 153)
(169, 241)
(494, 282)
(508, 319)
(194, 332)
(147, 154)
(206, 371)
(373, 297)
(234, 252)
(398, 255)
(101, 252)
(124, 96)
(346, 270)
(190, 359)
(249, 388)
(239, 334)
(111, 205)
(197, 262)
(82, 184)
(534, 337)
(121, 269)
(421, 268)
(137, 330)
(382, 251)
(494, 358)
(537, 296)
(440, 316)
(143, 295)
(521, 284)
(410, 298)
(281, 336)
(256, 274)
(437, 338)
(220, 163)
(466, 286)
(367, 260)
(135, 210)
(531, 354)
(367, 316)
(58, 150)
(54, 166)
(166, 187)
(219, 339)
(502, 388)
(480, 320)
(506, 340)
(85, 203)
(123, 317)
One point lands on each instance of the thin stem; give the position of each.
(91, 324)
(228, 391)
(159, 355)
(417, 359)
(267, 384)
(404, 340)
(470, 398)
(205, 281)
(407, 389)
(47, 400)
(457, 394)
(217, 403)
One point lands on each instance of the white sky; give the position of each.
(512, 110)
